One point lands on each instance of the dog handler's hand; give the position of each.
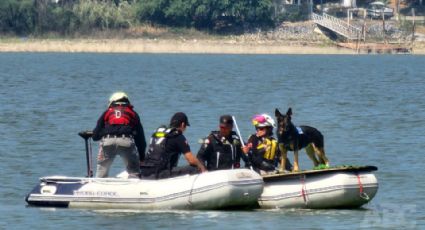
(246, 148)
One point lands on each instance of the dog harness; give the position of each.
(299, 130)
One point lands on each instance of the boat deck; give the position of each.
(277, 176)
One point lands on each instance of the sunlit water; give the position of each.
(371, 110)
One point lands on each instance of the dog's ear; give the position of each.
(289, 112)
(277, 113)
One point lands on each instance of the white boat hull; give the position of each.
(319, 190)
(213, 190)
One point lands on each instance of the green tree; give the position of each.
(92, 14)
(152, 11)
(63, 20)
(178, 13)
(211, 14)
(17, 16)
(82, 16)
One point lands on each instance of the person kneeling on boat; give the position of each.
(166, 146)
(120, 131)
(222, 149)
(262, 148)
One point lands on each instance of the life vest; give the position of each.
(267, 146)
(156, 155)
(120, 115)
(225, 153)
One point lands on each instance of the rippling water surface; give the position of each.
(371, 110)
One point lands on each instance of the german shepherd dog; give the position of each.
(292, 138)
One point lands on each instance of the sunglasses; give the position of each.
(260, 128)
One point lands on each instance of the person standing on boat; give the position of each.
(120, 132)
(165, 148)
(262, 146)
(222, 149)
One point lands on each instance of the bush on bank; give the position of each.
(66, 17)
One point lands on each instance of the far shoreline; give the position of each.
(174, 46)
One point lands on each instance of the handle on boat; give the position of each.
(237, 131)
(87, 135)
(244, 157)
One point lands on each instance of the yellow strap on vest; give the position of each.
(269, 146)
(159, 134)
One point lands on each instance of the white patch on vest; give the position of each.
(117, 113)
(300, 131)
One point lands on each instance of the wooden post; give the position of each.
(310, 9)
(364, 26)
(413, 30)
(357, 44)
(398, 10)
(383, 26)
(348, 16)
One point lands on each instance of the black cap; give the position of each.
(226, 120)
(179, 118)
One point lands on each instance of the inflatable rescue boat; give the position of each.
(340, 187)
(239, 188)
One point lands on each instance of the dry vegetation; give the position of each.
(289, 38)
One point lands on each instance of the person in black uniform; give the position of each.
(165, 148)
(120, 132)
(222, 149)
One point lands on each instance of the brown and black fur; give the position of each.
(292, 138)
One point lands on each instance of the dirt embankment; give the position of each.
(289, 38)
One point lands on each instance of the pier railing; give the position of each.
(337, 25)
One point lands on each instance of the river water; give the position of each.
(371, 110)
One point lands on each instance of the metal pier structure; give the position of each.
(338, 26)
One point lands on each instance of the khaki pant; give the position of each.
(110, 147)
